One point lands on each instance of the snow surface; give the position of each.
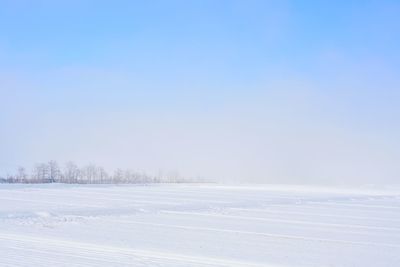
(197, 225)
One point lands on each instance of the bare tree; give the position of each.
(71, 173)
(90, 174)
(21, 176)
(118, 176)
(102, 175)
(54, 171)
(41, 173)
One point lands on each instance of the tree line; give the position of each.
(71, 173)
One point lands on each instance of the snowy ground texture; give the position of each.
(197, 225)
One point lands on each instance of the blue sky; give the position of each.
(272, 91)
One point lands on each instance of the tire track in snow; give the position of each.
(284, 221)
(352, 205)
(307, 206)
(82, 254)
(14, 258)
(269, 235)
(51, 202)
(146, 255)
(129, 198)
(159, 199)
(315, 214)
(186, 193)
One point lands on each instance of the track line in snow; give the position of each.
(129, 198)
(48, 202)
(60, 258)
(85, 205)
(352, 205)
(198, 194)
(284, 221)
(315, 214)
(146, 254)
(324, 208)
(264, 234)
(82, 254)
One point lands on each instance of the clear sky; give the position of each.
(266, 91)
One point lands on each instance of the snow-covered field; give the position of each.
(197, 225)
